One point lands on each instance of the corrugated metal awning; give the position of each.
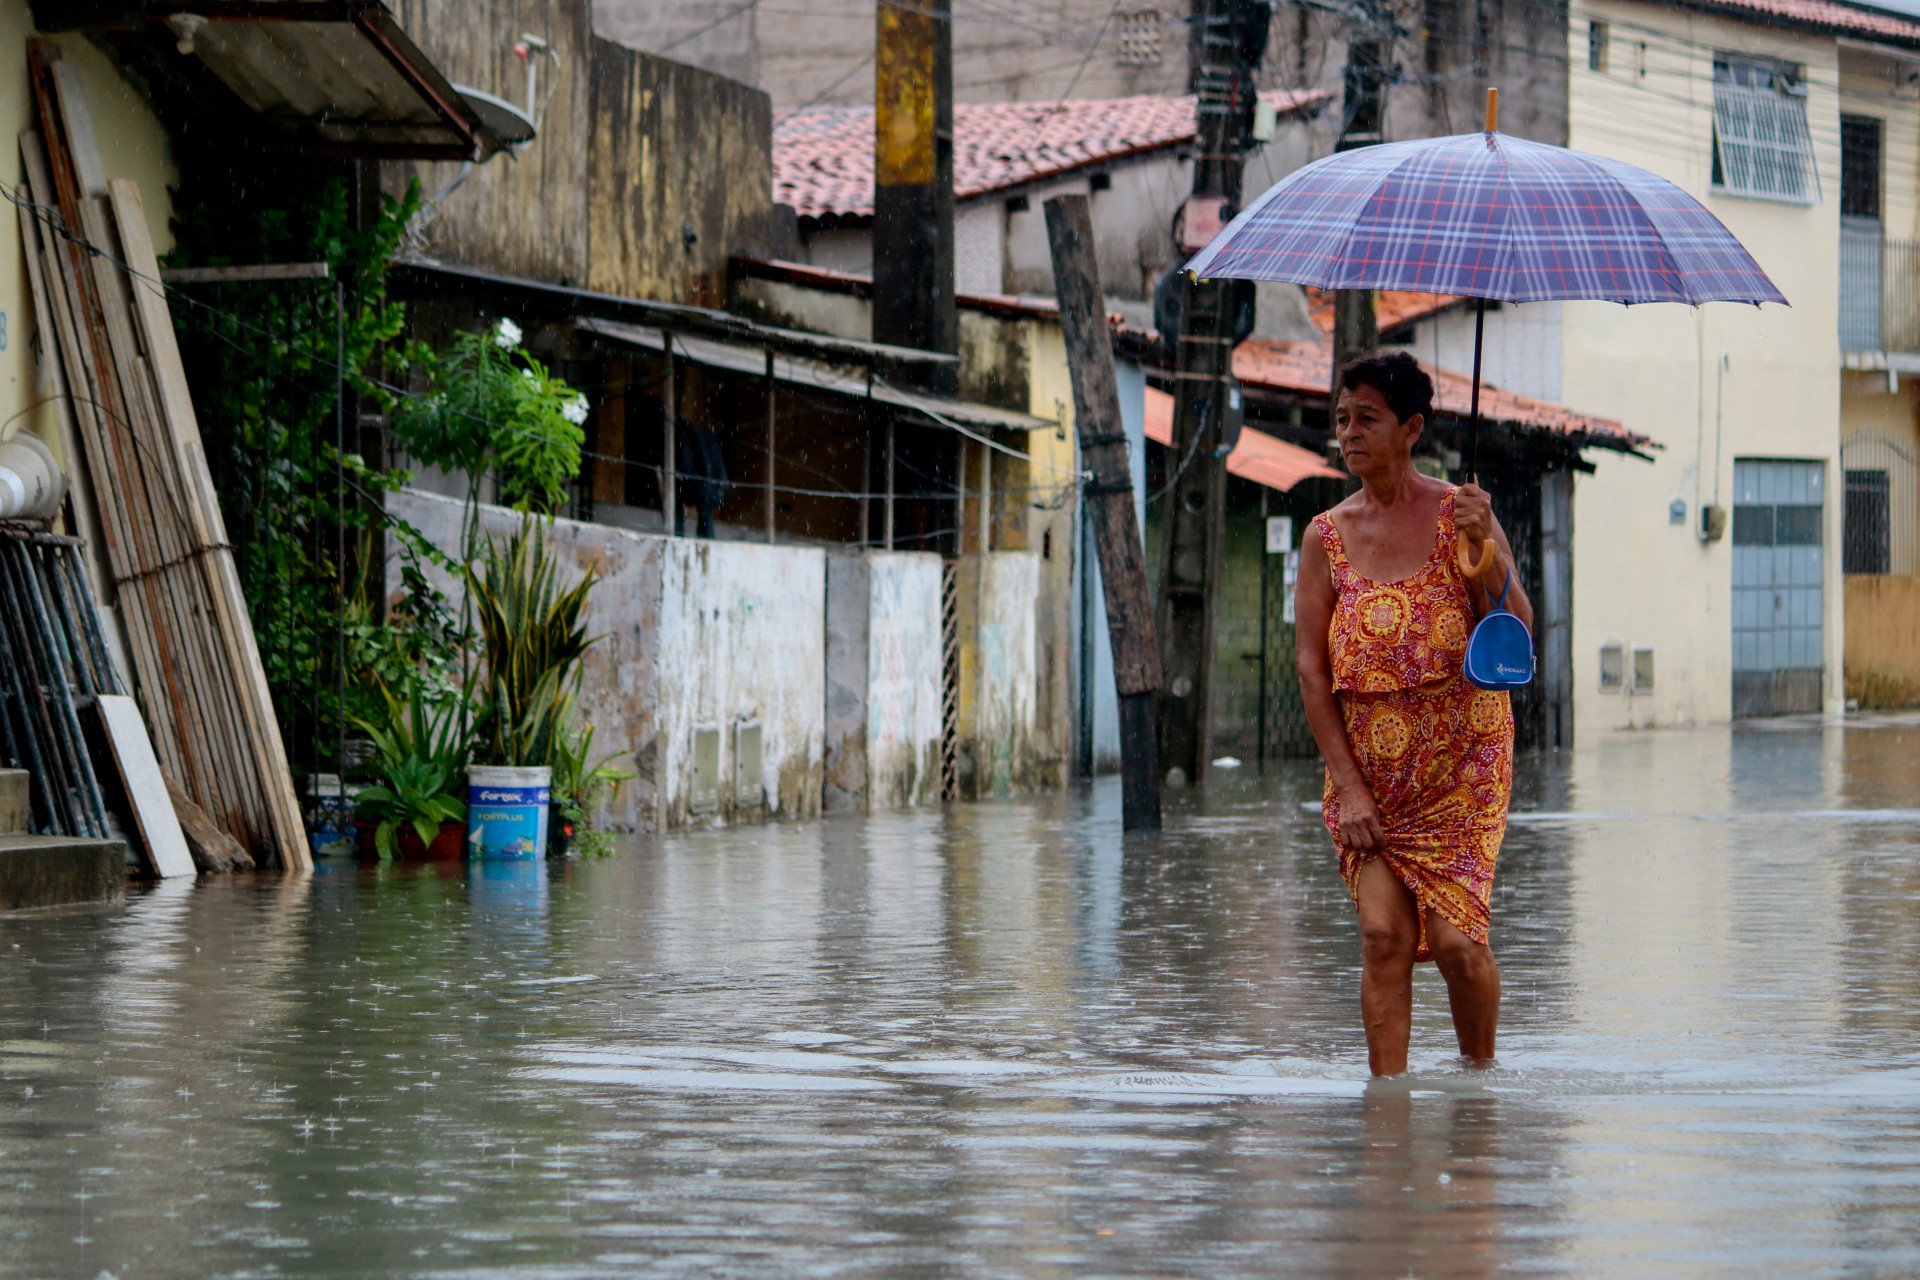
(338, 77)
(813, 375)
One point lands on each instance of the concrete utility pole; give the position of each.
(1356, 327)
(1228, 37)
(913, 303)
(1109, 498)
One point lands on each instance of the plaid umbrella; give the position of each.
(1484, 215)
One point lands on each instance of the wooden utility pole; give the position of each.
(1356, 328)
(913, 302)
(1193, 516)
(1109, 498)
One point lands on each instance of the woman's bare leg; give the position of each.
(1389, 932)
(1473, 986)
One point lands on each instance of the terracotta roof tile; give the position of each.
(823, 156)
(1306, 368)
(1824, 15)
(1392, 307)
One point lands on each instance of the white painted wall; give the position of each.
(1523, 351)
(1006, 706)
(742, 639)
(884, 670)
(696, 633)
(979, 247)
(1640, 580)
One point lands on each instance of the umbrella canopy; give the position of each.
(1487, 216)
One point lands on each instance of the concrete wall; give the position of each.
(742, 639)
(1883, 639)
(132, 145)
(696, 634)
(1878, 428)
(1711, 385)
(1006, 706)
(884, 665)
(1524, 349)
(633, 151)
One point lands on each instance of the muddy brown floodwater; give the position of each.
(1000, 1040)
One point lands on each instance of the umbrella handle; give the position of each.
(1464, 555)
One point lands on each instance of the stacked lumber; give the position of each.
(196, 667)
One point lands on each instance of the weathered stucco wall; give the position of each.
(1007, 705)
(523, 215)
(674, 150)
(883, 679)
(132, 145)
(634, 151)
(696, 634)
(1883, 639)
(742, 639)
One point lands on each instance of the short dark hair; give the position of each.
(1399, 379)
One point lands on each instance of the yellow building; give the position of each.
(132, 145)
(1709, 584)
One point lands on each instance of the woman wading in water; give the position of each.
(1419, 761)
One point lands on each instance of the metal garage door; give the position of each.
(1778, 604)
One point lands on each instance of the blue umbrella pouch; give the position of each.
(1500, 651)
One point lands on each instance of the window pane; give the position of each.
(1762, 147)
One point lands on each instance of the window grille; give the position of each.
(1878, 534)
(1140, 36)
(1761, 145)
(1599, 36)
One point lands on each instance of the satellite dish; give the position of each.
(511, 126)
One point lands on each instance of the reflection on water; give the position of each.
(1001, 1039)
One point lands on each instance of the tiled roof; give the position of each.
(1257, 456)
(823, 156)
(1392, 307)
(1306, 368)
(1822, 15)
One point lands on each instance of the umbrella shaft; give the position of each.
(1473, 415)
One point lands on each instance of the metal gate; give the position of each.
(1778, 587)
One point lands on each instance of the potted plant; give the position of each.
(579, 789)
(414, 809)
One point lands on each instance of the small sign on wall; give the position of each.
(1290, 579)
(1279, 535)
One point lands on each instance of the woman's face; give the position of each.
(1372, 440)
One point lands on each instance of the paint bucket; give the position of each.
(507, 810)
(31, 482)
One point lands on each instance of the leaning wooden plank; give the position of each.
(145, 788)
(234, 738)
(78, 493)
(138, 478)
(81, 140)
(65, 283)
(235, 624)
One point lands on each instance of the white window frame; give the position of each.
(1762, 146)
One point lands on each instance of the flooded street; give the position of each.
(999, 1040)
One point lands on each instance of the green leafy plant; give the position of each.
(532, 633)
(489, 407)
(421, 749)
(581, 785)
(268, 362)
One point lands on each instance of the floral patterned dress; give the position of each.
(1437, 752)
